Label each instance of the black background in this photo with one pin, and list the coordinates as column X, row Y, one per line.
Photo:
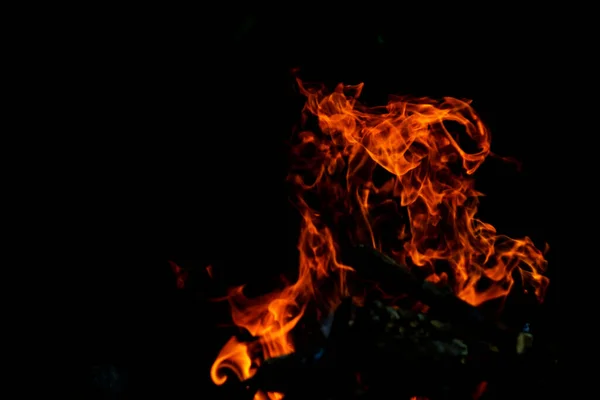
column 188, row 119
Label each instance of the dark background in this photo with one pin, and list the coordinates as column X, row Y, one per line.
column 188, row 119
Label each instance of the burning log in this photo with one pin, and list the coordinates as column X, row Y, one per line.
column 371, row 264
column 374, row 350
column 364, row 351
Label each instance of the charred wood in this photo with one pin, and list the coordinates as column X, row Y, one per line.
column 375, row 350
column 370, row 350
column 372, row 265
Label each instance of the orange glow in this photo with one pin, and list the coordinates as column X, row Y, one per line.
column 402, row 165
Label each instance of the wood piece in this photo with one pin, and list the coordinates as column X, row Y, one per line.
column 385, row 345
column 394, row 278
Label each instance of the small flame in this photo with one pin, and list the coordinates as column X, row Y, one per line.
column 371, row 168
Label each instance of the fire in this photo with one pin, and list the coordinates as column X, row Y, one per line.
column 395, row 177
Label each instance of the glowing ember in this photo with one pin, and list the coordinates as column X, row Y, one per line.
column 398, row 168
column 180, row 274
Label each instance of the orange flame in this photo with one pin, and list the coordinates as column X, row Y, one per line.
column 367, row 166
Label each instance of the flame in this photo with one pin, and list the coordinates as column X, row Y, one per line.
column 397, row 168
